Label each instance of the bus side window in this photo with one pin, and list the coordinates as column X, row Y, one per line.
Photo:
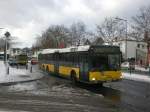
column 60, row 57
column 50, row 57
column 53, row 57
column 65, row 57
column 72, row 55
column 46, row 56
column 82, row 58
column 75, row 58
column 68, row 57
column 86, row 57
column 57, row 57
column 79, row 57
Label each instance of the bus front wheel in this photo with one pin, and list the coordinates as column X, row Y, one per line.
column 99, row 85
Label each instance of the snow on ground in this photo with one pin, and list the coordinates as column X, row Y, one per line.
column 17, row 75
column 141, row 68
column 136, row 77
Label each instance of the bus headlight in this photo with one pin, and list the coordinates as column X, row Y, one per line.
column 93, row 79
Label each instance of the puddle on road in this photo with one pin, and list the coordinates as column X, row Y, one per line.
column 20, row 87
column 62, row 88
column 106, row 92
column 24, row 76
column 66, row 87
column 68, row 90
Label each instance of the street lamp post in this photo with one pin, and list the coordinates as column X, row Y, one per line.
column 1, row 28
column 126, row 34
column 7, row 35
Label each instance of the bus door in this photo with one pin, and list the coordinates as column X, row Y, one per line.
column 56, row 62
column 83, row 67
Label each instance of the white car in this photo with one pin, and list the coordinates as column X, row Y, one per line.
column 127, row 65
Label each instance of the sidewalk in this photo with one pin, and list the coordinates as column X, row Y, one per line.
column 17, row 75
column 136, row 77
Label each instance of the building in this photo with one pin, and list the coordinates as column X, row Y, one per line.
column 133, row 49
column 2, row 44
column 98, row 41
column 1, row 55
column 14, row 51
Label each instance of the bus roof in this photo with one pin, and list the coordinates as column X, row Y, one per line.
column 74, row 49
column 64, row 50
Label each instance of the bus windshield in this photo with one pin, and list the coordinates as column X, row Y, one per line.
column 114, row 61
column 105, row 62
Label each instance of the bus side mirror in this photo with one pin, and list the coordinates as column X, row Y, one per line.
column 122, row 60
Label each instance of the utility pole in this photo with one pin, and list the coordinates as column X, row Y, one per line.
column 0, row 37
column 147, row 40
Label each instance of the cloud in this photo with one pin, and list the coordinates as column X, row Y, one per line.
column 28, row 18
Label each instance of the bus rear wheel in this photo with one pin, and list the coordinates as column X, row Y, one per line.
column 47, row 69
column 73, row 78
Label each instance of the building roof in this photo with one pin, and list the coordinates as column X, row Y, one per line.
column 130, row 40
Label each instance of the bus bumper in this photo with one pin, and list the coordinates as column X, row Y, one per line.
column 108, row 76
column 103, row 81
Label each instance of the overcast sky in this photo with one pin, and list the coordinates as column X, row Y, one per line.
column 28, row 18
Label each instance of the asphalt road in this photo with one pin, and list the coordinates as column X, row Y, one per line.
column 53, row 94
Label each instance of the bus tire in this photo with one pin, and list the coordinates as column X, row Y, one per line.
column 43, row 67
column 99, row 85
column 73, row 78
column 47, row 69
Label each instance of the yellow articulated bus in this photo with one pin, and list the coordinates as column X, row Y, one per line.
column 89, row 64
column 22, row 59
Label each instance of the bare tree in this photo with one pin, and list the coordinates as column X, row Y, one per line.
column 142, row 27
column 141, row 24
column 106, row 30
column 111, row 29
column 55, row 36
column 59, row 36
column 77, row 33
